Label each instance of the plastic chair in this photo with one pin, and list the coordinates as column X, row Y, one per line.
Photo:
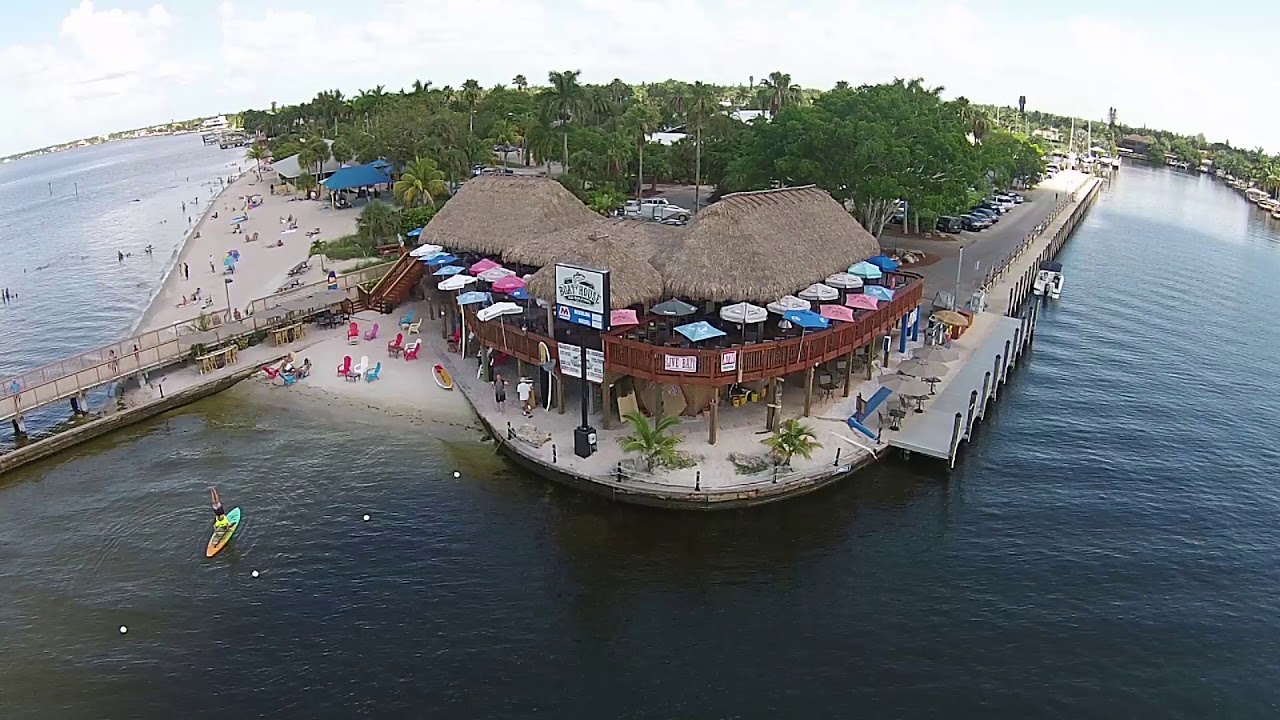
column 358, row 370
column 371, row 334
column 414, row 327
column 406, row 320
column 345, row 368
column 395, row 347
column 373, row 374
column 411, row 352
column 353, row 333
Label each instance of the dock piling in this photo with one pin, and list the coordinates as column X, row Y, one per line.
column 986, row 389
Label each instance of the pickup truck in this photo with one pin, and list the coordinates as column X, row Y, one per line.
column 655, row 209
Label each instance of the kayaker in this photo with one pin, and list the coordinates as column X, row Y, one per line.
column 219, row 515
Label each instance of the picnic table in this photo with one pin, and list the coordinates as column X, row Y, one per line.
column 221, row 357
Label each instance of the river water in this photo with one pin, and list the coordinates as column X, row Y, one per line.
column 1105, row 549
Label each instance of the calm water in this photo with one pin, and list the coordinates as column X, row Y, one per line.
column 1106, row 549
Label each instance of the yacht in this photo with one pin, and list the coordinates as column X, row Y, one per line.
column 1049, row 280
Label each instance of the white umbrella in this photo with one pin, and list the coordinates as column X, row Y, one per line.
column 493, row 275
column 928, row 371
column 426, row 251
column 457, row 282
column 818, row 291
column 788, row 302
column 743, row 313
column 498, row 309
column 844, row 281
column 905, row 386
column 935, row 354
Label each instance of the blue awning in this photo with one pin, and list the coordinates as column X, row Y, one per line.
column 355, row 177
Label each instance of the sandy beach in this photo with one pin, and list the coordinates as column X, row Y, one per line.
column 264, row 265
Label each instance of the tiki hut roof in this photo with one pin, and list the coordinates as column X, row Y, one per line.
column 493, row 213
column 759, row 246
column 645, row 239
column 632, row 279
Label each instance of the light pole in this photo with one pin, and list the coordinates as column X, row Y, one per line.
column 226, row 285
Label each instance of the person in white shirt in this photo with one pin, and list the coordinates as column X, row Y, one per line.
column 525, row 392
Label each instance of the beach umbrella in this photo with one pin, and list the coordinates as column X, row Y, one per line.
column 457, row 282
column 743, row 313
column 482, row 265
column 497, row 310
column 905, row 385
column 952, row 318
column 818, row 291
column 229, row 261
column 878, row 292
column 521, row 294
column 864, row 302
column 806, row 319
column 425, row 251
column 837, row 312
column 473, row 298
column 508, row 284
column 619, row 318
column 844, row 281
column 935, row 354
column 414, row 232
column 239, row 219
column 699, row 331
column 786, row 303
column 441, row 259
column 673, row 308
column 447, row 271
column 493, row 275
column 922, row 369
column 885, row 263
column 865, row 270
column 234, row 253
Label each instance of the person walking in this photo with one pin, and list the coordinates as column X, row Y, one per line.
column 500, row 393
column 211, row 268
column 524, row 391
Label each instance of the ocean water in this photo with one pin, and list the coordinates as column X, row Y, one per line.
column 1106, row 548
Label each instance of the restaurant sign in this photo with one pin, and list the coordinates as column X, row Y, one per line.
column 728, row 361
column 571, row 362
column 680, row 363
column 582, row 296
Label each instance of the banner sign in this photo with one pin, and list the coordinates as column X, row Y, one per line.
column 680, row 363
column 728, row 361
column 582, row 296
column 571, row 362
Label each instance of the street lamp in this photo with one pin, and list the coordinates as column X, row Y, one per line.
column 226, row 285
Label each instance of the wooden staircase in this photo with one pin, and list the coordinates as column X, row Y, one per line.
column 394, row 287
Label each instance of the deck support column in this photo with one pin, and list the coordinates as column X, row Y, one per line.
column 559, row 391
column 1004, row 375
column 915, row 326
column 606, row 394
column 848, row 373
column 713, row 431
column 808, row 390
column 902, row 333
column 774, row 410
column 955, row 441
column 995, row 379
column 871, row 359
column 968, row 421
column 986, row 389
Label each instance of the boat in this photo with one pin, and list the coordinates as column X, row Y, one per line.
column 1275, row 214
column 442, row 377
column 1255, row 195
column 222, row 536
column 1048, row 280
column 1269, row 205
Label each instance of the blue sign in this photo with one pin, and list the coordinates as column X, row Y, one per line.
column 580, row 317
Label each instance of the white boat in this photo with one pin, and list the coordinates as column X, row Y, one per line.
column 1269, row 205
column 1048, row 282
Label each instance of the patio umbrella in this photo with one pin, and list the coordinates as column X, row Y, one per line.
column 806, row 319
column 837, row 312
column 424, row 251
column 673, row 308
column 414, row 233
column 519, row 294
column 699, row 331
column 743, row 313
column 482, row 265
column 935, row 354
column 234, row 253
column 862, row 301
column 865, row 270
column 786, row 303
column 496, row 310
column 619, row 318
column 818, row 291
column 922, row 369
column 951, row 317
column 493, row 275
column 878, row 292
column 907, row 387
column 457, row 282
column 441, row 259
column 447, row 271
column 885, row 263
column 474, row 297
column 844, row 281
column 508, row 284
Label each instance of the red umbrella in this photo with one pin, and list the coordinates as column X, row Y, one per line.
column 508, row 284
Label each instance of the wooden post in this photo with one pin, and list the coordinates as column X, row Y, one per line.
column 658, row 391
column 968, row 421
column 559, row 390
column 955, row 441
column 808, row 390
column 871, row 356
column 995, row 379
column 713, row 432
column 986, row 388
column 1004, row 375
column 519, row 367
column 848, row 373
column 606, row 393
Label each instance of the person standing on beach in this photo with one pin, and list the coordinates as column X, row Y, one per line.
column 500, row 393
column 211, row 268
column 524, row 391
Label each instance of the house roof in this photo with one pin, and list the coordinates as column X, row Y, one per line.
column 492, row 214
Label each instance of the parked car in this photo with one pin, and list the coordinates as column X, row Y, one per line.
column 1017, row 197
column 986, row 213
column 975, row 223
column 949, row 224
column 655, row 209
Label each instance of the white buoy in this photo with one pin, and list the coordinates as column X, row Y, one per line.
column 457, row 474
column 123, row 629
column 366, row 518
column 255, row 573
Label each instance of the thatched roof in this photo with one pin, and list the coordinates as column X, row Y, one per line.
column 759, row 246
column 493, row 213
column 645, row 239
column 632, row 279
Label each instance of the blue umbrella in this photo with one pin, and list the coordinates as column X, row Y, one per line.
column 239, row 219
column 884, row 262
column 447, row 271
column 806, row 319
column 473, row 297
column 446, row 258
column 519, row 294
column 414, row 233
column 865, row 270
column 699, row 331
column 878, row 292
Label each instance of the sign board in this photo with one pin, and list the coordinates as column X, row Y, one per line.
column 582, row 296
column 728, row 361
column 680, row 363
column 571, row 362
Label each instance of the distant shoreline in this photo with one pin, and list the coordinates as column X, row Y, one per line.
column 88, row 142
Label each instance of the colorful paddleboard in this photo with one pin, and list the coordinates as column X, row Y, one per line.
column 222, row 536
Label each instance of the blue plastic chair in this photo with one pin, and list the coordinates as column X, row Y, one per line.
column 406, row 320
column 373, row 374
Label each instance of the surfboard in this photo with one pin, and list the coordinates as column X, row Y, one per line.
column 442, row 377
column 222, row 536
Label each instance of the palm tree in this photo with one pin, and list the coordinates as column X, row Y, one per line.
column 641, row 119
column 422, row 182
column 841, row 85
column 522, row 126
column 258, row 153
column 563, row 102
column 974, row 120
column 703, row 101
column 777, row 91
column 378, row 221
column 520, row 82
column 314, row 153
column 656, row 445
column 791, row 439
column 471, row 94
column 502, row 133
column 305, row 182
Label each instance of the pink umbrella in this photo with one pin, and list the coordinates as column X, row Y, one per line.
column 619, row 318
column 483, row 265
column 508, row 284
column 866, row 302
column 837, row 312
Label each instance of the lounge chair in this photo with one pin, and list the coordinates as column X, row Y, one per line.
column 415, row 326
column 373, row 374
column 345, row 368
column 353, row 333
column 411, row 352
column 289, row 379
column 395, row 347
column 358, row 370
column 372, row 333
column 405, row 320
column 271, row 372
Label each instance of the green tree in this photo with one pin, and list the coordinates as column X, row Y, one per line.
column 702, row 103
column 777, row 91
column 420, row 183
column 641, row 120
column 502, row 133
column 792, row 439
column 378, row 222
column 305, row 182
column 258, row 153
column 313, row 155
column 520, row 82
column 415, row 217
column 605, row 200
column 562, row 103
column 657, row 445
column 471, row 94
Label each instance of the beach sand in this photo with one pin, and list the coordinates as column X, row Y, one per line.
column 263, row 266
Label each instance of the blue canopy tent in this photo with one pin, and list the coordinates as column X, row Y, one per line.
column 885, row 263
column 519, row 294
column 699, row 331
column 356, row 176
column 447, row 271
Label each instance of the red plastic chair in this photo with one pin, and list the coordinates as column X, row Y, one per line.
column 395, row 347
column 345, row 368
column 271, row 372
column 411, row 352
column 353, row 333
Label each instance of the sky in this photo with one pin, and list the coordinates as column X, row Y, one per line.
column 77, row 68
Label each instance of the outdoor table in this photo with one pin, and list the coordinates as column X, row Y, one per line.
column 209, row 361
column 895, row 418
column 288, row 333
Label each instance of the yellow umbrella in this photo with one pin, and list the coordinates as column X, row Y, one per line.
column 951, row 317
